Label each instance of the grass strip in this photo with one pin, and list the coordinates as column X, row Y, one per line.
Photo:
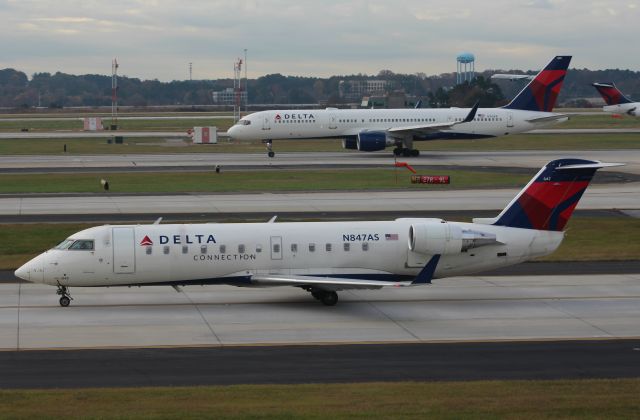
column 258, row 181
column 587, row 398
column 76, row 146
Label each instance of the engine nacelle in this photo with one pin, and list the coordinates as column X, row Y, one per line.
column 446, row 238
column 350, row 143
column 634, row 112
column 435, row 238
column 372, row 141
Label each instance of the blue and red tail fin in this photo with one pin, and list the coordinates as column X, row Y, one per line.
column 542, row 92
column 611, row 94
column 548, row 200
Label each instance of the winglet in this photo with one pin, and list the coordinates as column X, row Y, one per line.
column 426, row 274
column 472, row 113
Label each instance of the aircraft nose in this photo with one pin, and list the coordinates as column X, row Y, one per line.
column 232, row 131
column 23, row 272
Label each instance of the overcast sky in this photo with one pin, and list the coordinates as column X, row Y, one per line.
column 157, row 39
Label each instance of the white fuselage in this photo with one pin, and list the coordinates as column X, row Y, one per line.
column 231, row 253
column 331, row 123
column 631, row 108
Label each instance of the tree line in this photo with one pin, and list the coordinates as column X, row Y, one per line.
column 56, row 90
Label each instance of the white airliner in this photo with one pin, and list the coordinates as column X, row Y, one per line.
column 320, row 257
column 371, row 130
column 617, row 103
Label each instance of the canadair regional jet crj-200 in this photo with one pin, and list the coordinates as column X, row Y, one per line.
column 617, row 103
column 320, row 257
column 370, row 130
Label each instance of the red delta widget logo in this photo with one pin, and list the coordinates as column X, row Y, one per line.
column 297, row 116
column 178, row 239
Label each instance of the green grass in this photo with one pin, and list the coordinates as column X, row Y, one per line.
column 39, row 124
column 587, row 239
column 580, row 399
column 259, row 180
column 572, row 142
column 600, row 121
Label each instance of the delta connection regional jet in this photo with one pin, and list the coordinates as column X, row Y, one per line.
column 617, row 103
column 370, row 130
column 319, row 257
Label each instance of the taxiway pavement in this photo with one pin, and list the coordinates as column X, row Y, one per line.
column 498, row 159
column 474, row 308
column 623, row 196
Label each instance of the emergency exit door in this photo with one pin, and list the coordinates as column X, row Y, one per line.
column 124, row 259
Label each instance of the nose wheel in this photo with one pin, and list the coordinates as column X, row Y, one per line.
column 65, row 297
column 270, row 151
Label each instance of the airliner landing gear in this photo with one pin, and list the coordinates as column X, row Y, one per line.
column 401, row 151
column 270, row 151
column 65, row 297
column 326, row 297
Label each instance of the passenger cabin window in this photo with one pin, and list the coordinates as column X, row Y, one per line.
column 327, row 247
column 241, row 249
column 165, row 249
column 312, row 247
column 347, row 246
column 223, row 249
column 203, row 249
column 185, row 249
column 276, row 248
column 258, row 248
column 82, row 245
column 294, row 247
column 365, row 246
column 149, row 250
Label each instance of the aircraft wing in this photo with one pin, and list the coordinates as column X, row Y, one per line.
column 554, row 117
column 334, row 283
column 328, row 283
column 435, row 127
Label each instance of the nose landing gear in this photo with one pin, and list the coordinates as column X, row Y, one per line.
column 65, row 297
column 270, row 151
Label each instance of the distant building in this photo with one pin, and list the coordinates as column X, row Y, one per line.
column 228, row 97
column 356, row 89
column 396, row 99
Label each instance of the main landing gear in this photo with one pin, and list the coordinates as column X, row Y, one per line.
column 328, row 298
column 270, row 151
column 403, row 151
column 65, row 297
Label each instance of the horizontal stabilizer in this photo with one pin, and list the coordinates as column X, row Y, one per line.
column 554, row 117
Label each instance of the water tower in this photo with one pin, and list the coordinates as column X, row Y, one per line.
column 466, row 69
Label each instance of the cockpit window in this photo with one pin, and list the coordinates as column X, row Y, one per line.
column 244, row 122
column 83, row 245
column 64, row 244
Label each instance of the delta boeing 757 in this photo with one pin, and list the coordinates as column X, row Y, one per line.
column 319, row 257
column 370, row 130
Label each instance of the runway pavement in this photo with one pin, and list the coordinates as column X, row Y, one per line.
column 321, row 364
column 474, row 308
column 605, row 197
column 497, row 159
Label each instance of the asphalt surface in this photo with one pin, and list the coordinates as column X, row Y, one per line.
column 321, row 364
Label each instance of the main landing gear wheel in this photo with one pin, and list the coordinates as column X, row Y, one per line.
column 65, row 297
column 329, row 298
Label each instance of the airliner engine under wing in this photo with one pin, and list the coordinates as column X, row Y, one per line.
column 320, row 257
column 370, row 130
column 617, row 103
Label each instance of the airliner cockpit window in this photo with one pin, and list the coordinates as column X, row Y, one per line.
column 244, row 122
column 64, row 244
column 82, row 245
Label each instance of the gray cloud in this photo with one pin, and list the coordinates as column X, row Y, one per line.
column 156, row 39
